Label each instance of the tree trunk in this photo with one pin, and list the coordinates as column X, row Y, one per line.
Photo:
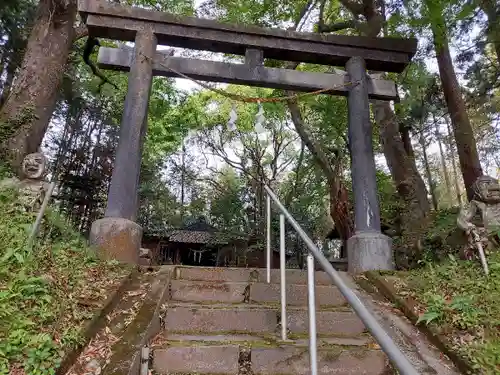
column 293, row 190
column 339, row 202
column 492, row 11
column 183, row 178
column 428, row 173
column 462, row 129
column 9, row 78
column 409, row 184
column 405, row 136
column 458, row 191
column 443, row 160
column 25, row 116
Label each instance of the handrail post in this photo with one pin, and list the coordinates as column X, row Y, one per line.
column 399, row 360
column 283, row 279
column 313, row 348
column 268, row 249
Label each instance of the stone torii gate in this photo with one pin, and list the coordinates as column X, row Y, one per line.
column 117, row 234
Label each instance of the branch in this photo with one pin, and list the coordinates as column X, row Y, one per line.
column 218, row 150
column 302, row 14
column 212, row 182
column 369, row 10
column 314, row 148
column 283, row 166
column 354, row 7
column 321, row 18
column 291, row 193
column 277, row 143
column 351, row 24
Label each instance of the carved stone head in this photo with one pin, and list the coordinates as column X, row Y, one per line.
column 35, row 166
column 487, row 190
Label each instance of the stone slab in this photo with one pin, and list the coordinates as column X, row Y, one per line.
column 260, row 293
column 291, row 360
column 334, row 323
column 117, row 238
column 197, row 360
column 203, row 291
column 293, row 276
column 206, row 320
column 296, row 295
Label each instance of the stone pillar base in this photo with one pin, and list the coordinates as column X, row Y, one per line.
column 117, row 238
column 369, row 251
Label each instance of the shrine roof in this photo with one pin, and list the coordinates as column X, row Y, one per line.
column 196, row 231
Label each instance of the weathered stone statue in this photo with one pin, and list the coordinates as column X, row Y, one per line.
column 481, row 219
column 32, row 187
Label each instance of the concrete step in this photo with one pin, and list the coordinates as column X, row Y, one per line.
column 222, row 359
column 260, row 293
column 293, row 276
column 210, row 320
column 339, row 361
column 181, row 319
column 233, row 359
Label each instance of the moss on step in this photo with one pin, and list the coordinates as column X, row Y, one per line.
column 277, row 305
column 298, row 336
column 115, row 324
column 142, row 329
column 265, row 342
column 332, row 355
column 247, row 344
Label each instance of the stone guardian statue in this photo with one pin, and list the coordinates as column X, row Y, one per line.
column 481, row 219
column 32, row 187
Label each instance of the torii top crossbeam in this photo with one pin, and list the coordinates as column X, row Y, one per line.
column 113, row 21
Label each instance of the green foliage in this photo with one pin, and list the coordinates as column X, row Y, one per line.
column 442, row 238
column 390, row 205
column 443, row 222
column 9, row 127
column 5, row 171
column 266, row 13
column 461, row 308
column 463, row 303
column 226, row 202
column 41, row 290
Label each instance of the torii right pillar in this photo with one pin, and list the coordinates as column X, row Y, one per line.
column 368, row 249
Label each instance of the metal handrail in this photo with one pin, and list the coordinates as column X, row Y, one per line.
column 395, row 355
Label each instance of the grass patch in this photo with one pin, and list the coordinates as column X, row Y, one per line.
column 48, row 294
column 463, row 304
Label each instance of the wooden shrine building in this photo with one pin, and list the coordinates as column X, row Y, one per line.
column 198, row 243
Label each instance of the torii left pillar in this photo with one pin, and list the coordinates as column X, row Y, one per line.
column 117, row 235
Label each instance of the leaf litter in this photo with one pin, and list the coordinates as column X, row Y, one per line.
column 97, row 354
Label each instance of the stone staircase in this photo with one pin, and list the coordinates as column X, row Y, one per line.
column 227, row 321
